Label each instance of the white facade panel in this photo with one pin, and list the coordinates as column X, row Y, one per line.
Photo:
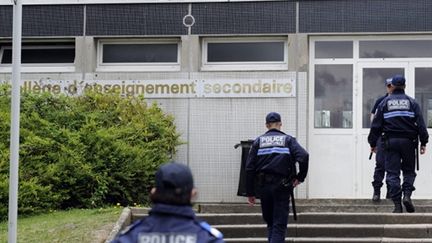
column 217, row 125
column 179, row 108
column 212, row 126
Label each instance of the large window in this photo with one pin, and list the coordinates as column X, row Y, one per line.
column 396, row 49
column 139, row 55
column 423, row 92
column 245, row 54
column 338, row 84
column 40, row 56
column 333, row 96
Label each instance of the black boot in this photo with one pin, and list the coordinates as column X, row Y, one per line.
column 398, row 206
column 376, row 195
column 409, row 206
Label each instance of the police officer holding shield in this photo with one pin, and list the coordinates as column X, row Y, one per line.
column 171, row 220
column 399, row 123
column 271, row 169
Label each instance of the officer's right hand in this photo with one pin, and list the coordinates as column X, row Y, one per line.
column 422, row 149
column 251, row 200
column 373, row 149
column 295, row 183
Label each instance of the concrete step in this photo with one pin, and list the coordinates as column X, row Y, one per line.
column 314, row 208
column 324, row 218
column 354, row 201
column 329, row 220
column 414, row 231
column 315, row 218
column 320, row 205
column 333, row 240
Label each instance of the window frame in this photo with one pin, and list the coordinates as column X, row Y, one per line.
column 242, row 66
column 39, row 67
column 412, row 71
column 137, row 66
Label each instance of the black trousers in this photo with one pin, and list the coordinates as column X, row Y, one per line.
column 400, row 156
column 275, row 209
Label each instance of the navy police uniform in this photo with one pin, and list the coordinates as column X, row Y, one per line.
column 399, row 122
column 379, row 170
column 170, row 224
column 271, row 165
column 171, row 219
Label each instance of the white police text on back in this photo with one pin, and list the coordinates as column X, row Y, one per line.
column 271, row 141
column 167, row 238
column 403, row 104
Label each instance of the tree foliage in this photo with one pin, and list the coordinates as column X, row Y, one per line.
column 84, row 151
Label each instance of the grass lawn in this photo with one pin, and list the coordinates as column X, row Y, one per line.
column 77, row 225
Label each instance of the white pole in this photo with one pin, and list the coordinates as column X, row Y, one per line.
column 15, row 121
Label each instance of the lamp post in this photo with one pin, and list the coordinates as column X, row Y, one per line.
column 15, row 121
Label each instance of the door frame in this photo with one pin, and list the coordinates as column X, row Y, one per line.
column 363, row 166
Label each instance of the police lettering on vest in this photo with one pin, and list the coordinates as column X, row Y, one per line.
column 398, row 104
column 272, row 141
column 167, row 238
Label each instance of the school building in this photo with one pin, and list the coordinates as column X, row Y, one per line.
column 220, row 66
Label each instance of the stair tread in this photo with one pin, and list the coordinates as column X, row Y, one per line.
column 333, row 239
column 325, row 213
column 323, row 221
column 328, row 225
column 320, row 205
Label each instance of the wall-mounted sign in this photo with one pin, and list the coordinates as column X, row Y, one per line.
column 214, row 88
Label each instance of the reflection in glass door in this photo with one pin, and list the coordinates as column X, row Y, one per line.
column 374, row 87
column 333, row 96
column 423, row 92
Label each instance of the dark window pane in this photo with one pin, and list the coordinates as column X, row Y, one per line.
column 374, row 87
column 40, row 55
column 333, row 96
column 7, row 56
column 333, row 49
column 246, row 52
column 140, row 53
column 423, row 92
column 396, row 49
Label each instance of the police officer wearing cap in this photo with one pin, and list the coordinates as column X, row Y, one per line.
column 379, row 170
column 271, row 168
column 171, row 219
column 399, row 123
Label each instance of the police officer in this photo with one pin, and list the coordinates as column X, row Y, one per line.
column 379, row 171
column 171, row 219
column 271, row 164
column 399, row 122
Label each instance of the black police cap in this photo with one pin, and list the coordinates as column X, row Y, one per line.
column 174, row 177
column 273, row 117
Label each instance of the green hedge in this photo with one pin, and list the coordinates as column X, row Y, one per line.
column 83, row 152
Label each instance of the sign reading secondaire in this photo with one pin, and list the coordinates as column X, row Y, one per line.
column 186, row 88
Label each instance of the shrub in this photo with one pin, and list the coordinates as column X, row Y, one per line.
column 85, row 151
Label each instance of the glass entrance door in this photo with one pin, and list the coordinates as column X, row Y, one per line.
column 421, row 74
column 423, row 92
column 371, row 86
